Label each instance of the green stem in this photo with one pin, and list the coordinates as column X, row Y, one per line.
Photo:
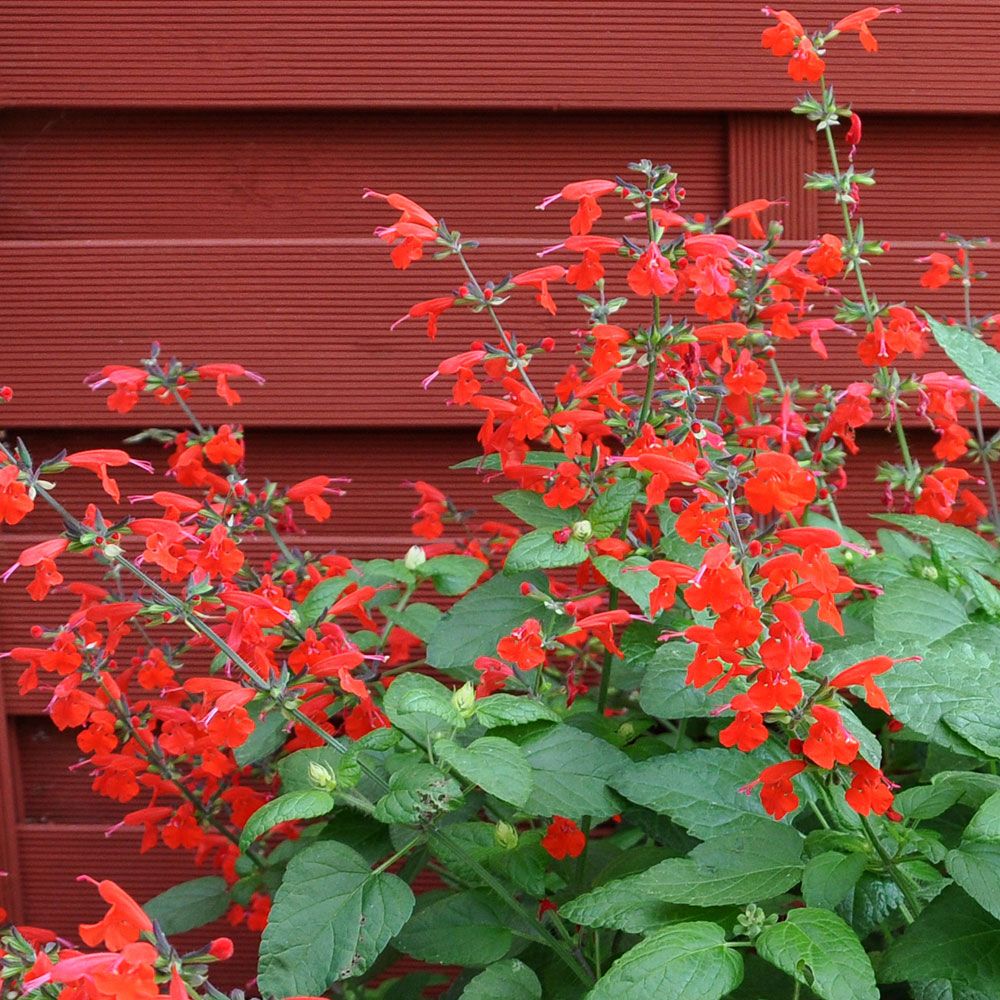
column 272, row 530
column 904, row 448
column 912, row 904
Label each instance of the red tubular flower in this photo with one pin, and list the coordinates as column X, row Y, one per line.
column 564, row 839
column 539, row 277
column 601, row 626
column 15, row 504
column 123, row 924
column 524, row 645
column 585, row 193
column 651, row 274
column 310, row 492
column 828, row 741
column 416, row 226
column 128, row 382
column 806, row 64
column 429, row 308
column 853, row 136
column 364, row 718
column 749, row 210
column 940, row 271
column 863, row 674
column 777, row 793
column 828, row 259
column 747, row 731
column 42, row 556
column 870, row 790
column 779, row 484
column 222, row 372
column 859, row 21
column 97, row 461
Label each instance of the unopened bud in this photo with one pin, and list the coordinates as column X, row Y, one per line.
column 415, row 557
column 582, row 530
column 463, row 700
column 929, row 572
column 321, row 776
column 505, row 836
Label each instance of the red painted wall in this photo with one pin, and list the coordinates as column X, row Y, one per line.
column 190, row 172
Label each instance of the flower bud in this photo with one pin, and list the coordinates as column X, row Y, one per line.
column 463, row 700
column 415, row 557
column 582, row 530
column 505, row 836
column 929, row 572
column 321, row 776
column 221, row 948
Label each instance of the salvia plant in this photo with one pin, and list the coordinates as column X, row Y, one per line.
column 671, row 730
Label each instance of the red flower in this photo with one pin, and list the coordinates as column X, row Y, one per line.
column 651, row 273
column 858, row 21
column 122, row 925
column 828, row 260
column 585, row 193
column 780, row 484
column 563, row 839
column 749, row 210
column 806, row 65
column 416, row 226
column 863, row 673
column 42, row 556
column 524, row 645
column 15, row 504
column 222, row 373
column 828, row 741
column 432, row 309
column 870, row 791
column 539, row 277
column 940, row 271
column 747, row 731
column 777, row 793
column 98, row 460
column 310, row 492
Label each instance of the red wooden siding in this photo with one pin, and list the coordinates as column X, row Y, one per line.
column 191, row 172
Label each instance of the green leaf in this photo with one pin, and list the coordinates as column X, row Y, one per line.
column 532, row 509
column 417, row 793
column 331, row 918
column 664, row 692
column 979, row 362
column 951, row 677
column 975, row 863
column 421, row 706
column 916, row 609
column 510, row 979
column 462, row 928
column 976, row 723
column 572, row 770
column 629, row 576
column 956, row 543
column 420, row 619
column 699, row 789
column 686, row 962
column 752, row 865
column 292, row 805
column 547, row 459
column 476, row 623
column 268, row 736
column 829, row 877
column 926, row 801
column 539, row 550
column 189, row 905
column 952, row 939
column 452, row 575
column 608, row 512
column 496, row 765
column 320, row 599
column 818, row 949
column 511, row 710
column 941, row 989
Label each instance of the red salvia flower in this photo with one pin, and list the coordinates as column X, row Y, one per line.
column 564, row 839
column 859, row 21
column 777, row 793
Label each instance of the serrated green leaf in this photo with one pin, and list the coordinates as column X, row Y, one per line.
column 452, row 575
column 189, row 905
column 331, row 918
column 548, row 459
column 462, row 928
column 511, row 710
column 754, row 864
column 293, row 805
column 953, row 939
column 420, row 619
column 531, row 508
column 965, row 547
column 571, row 771
column 829, row 877
column 818, row 949
column 979, row 362
column 496, row 765
column 951, row 677
column 268, row 736
column 539, row 550
column 417, row 792
column 510, row 979
column 421, row 706
column 476, row 623
column 689, row 961
column 629, row 576
column 699, row 789
column 975, row 863
column 607, row 513
column 664, row 692
column 320, row 599
column 912, row 609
